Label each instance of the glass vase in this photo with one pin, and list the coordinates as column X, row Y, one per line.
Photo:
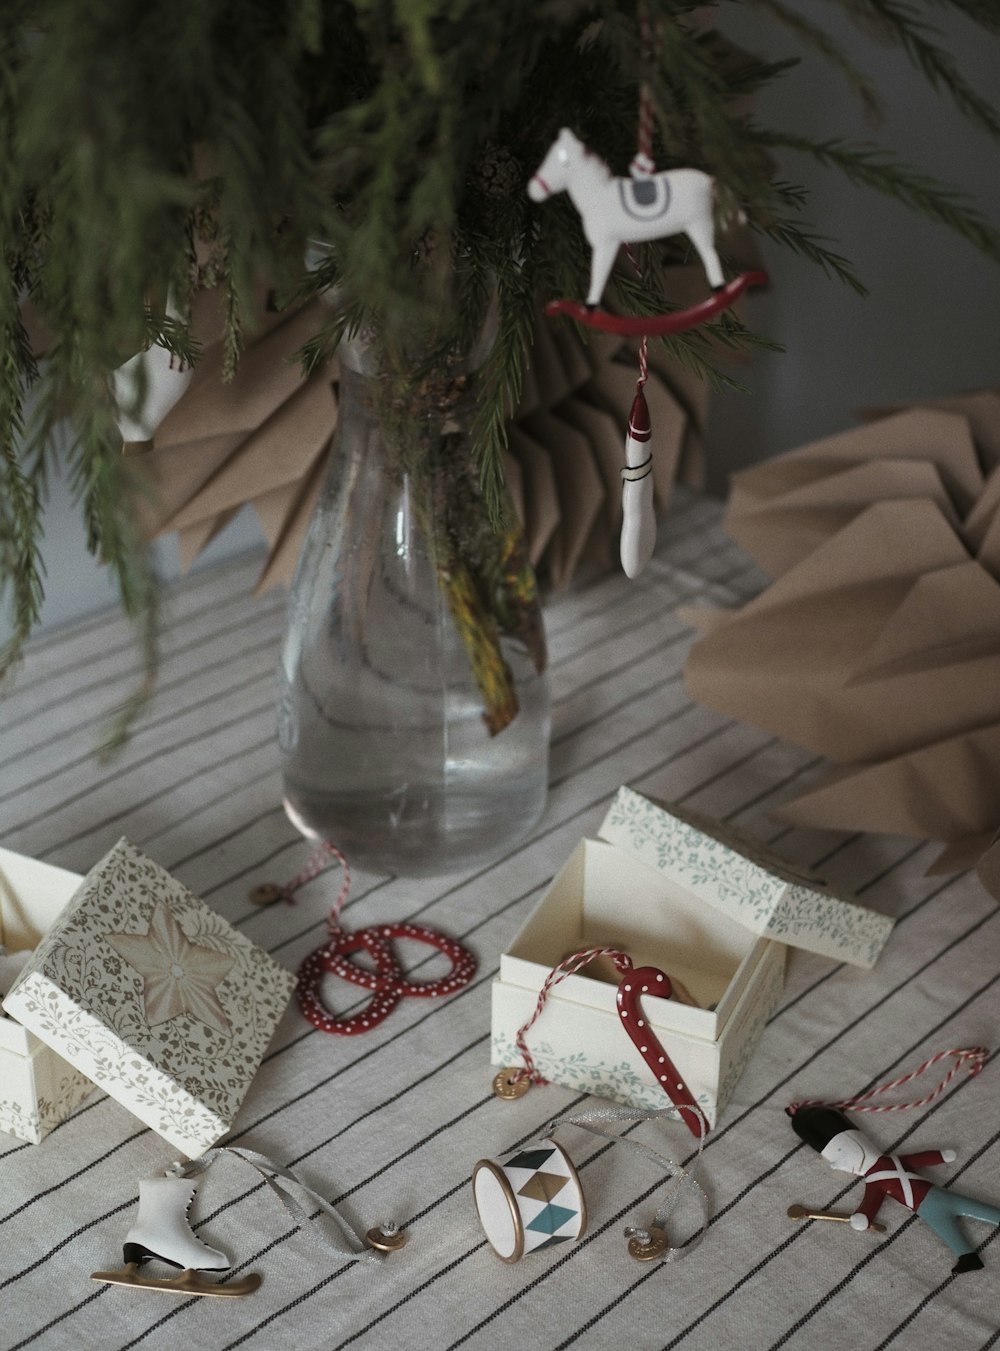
column 414, row 706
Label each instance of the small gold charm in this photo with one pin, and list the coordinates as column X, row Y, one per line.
column 646, row 1252
column 507, row 1087
column 266, row 894
column 386, row 1238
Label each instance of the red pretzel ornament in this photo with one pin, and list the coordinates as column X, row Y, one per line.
column 387, row 981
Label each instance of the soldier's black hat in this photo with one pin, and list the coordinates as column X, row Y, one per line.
column 818, row 1125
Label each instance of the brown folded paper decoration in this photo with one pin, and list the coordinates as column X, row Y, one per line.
column 879, row 644
column 263, row 438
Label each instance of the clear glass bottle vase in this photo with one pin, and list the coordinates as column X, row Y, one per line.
column 414, row 707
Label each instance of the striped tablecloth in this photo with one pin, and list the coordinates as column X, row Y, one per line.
column 390, row 1125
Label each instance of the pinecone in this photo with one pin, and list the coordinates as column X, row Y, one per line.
column 498, row 173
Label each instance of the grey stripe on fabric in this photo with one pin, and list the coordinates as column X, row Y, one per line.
column 795, row 1235
column 414, row 1097
column 718, row 1135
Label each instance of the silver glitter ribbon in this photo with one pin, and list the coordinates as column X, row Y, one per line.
column 682, row 1181
column 287, row 1186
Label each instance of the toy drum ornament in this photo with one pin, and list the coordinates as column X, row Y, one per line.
column 530, row 1200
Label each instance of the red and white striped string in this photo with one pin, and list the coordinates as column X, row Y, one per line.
column 642, row 165
column 318, row 862
column 569, row 966
column 643, row 341
column 970, row 1058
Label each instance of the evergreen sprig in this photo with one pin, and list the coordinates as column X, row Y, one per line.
column 151, row 150
column 900, row 25
column 870, row 167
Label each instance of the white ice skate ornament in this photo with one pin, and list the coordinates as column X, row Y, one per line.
column 162, row 1232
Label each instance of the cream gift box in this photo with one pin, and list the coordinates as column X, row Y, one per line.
column 714, row 914
column 142, row 990
column 38, row 1089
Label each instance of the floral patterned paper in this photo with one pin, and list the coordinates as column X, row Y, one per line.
column 752, row 894
column 565, row 1055
column 586, row 1074
column 183, row 1060
column 32, row 1119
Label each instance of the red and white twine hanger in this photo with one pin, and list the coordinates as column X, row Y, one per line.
column 969, row 1058
column 636, row 981
column 387, row 982
column 642, row 166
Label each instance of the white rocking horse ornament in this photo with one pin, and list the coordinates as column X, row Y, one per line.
column 616, row 211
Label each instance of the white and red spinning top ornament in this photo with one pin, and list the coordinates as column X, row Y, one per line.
column 638, row 538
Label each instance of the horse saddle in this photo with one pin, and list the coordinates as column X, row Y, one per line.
column 644, row 198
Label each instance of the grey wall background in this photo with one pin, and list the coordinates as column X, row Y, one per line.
column 931, row 324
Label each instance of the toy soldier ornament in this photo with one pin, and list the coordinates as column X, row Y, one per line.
column 849, row 1150
column 825, row 1128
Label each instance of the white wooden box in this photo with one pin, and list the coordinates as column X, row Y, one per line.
column 38, row 1089
column 707, row 911
column 141, row 989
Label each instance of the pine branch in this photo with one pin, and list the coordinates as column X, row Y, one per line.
column 902, row 26
column 21, row 476
column 696, row 349
column 816, row 37
column 154, row 150
column 756, row 75
column 21, row 539
column 874, row 168
column 807, row 244
column 499, row 383
column 986, row 13
column 103, row 482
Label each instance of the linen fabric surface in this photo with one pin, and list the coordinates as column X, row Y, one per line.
column 390, row 1125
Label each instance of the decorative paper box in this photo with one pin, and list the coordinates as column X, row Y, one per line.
column 151, row 995
column 38, row 1089
column 712, row 913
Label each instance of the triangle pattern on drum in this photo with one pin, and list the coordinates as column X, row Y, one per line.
column 543, row 1186
column 550, row 1219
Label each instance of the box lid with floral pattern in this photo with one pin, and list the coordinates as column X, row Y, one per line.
column 155, row 997
column 743, row 880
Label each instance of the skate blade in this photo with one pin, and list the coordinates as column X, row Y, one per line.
column 187, row 1283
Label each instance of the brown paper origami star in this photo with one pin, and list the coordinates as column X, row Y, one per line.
column 878, row 646
column 264, row 439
